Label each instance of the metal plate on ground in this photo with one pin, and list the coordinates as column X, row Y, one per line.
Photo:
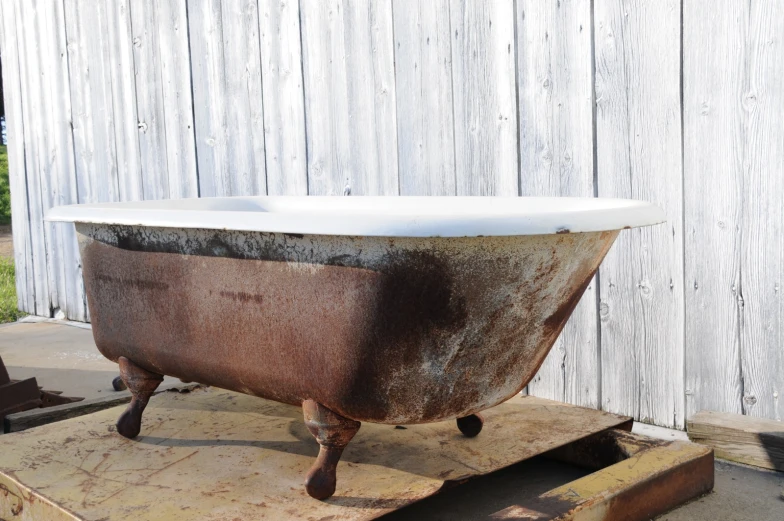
column 213, row 454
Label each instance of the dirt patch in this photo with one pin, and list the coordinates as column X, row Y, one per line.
column 6, row 241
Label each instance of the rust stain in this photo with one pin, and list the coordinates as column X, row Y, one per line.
column 242, row 296
column 556, row 321
column 388, row 330
column 134, row 283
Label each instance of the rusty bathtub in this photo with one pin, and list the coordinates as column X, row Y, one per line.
column 381, row 309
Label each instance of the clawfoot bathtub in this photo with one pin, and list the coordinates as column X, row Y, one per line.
column 392, row 310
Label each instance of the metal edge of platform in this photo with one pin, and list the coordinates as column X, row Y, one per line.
column 19, row 500
column 20, row 421
column 635, row 478
column 638, row 478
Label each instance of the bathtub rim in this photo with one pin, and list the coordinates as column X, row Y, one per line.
column 375, row 216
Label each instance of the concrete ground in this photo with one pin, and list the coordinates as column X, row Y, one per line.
column 61, row 357
column 64, row 358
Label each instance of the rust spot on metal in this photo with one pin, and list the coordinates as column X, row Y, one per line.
column 142, row 384
column 134, row 283
column 333, row 432
column 557, row 320
column 242, row 296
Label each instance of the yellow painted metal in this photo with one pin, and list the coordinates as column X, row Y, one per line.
column 213, row 454
column 655, row 477
column 595, row 490
column 20, row 503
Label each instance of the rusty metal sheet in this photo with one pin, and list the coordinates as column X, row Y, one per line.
column 376, row 329
column 216, row 455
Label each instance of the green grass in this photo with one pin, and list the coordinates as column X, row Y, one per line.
column 8, row 310
column 5, row 191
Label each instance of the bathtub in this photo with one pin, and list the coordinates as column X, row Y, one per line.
column 394, row 310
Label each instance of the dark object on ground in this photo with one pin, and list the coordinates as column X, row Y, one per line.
column 118, row 384
column 23, row 395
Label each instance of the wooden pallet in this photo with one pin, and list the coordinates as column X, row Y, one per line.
column 213, row 454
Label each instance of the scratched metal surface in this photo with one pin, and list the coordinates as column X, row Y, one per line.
column 387, row 330
column 217, row 455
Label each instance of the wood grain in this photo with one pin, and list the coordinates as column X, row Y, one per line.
column 138, row 47
column 284, row 104
column 638, row 147
column 91, row 103
column 761, row 244
column 423, row 82
column 209, row 94
column 65, row 264
column 224, row 43
column 175, row 62
column 554, row 77
column 745, row 439
column 244, row 103
column 713, row 123
column 36, row 134
column 348, row 69
column 485, row 109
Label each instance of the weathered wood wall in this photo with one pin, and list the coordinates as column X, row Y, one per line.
column 671, row 101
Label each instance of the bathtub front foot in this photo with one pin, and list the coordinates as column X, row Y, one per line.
column 471, row 425
column 333, row 432
column 142, row 384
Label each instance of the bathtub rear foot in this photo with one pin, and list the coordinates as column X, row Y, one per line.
column 470, row 425
column 333, row 432
column 142, row 384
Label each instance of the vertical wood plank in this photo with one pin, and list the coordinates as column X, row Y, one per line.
column 713, row 51
column 38, row 32
column 284, row 109
column 485, row 108
column 244, row 111
column 140, row 42
column 423, row 86
column 209, row 96
column 91, row 102
column 638, row 134
column 35, row 105
column 348, row 69
column 762, row 243
column 121, row 68
column 555, row 87
column 227, row 97
column 175, row 62
column 12, row 91
column 733, row 101
column 65, row 263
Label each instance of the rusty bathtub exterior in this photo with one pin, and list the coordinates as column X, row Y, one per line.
column 383, row 329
